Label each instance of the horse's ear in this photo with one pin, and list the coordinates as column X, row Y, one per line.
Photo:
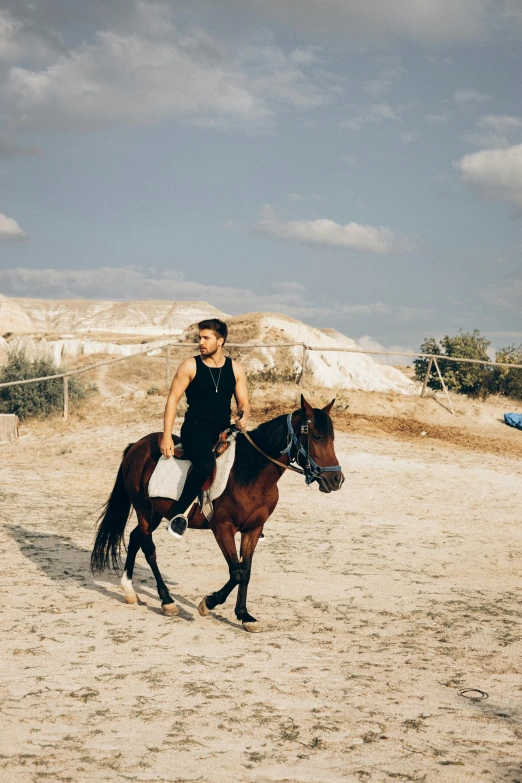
column 328, row 408
column 307, row 408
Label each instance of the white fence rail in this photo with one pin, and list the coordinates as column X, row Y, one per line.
column 432, row 359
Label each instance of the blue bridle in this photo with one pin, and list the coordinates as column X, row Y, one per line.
column 311, row 469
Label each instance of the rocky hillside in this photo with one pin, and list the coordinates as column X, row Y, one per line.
column 69, row 329
column 327, row 369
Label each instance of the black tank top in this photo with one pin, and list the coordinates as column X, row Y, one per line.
column 209, row 395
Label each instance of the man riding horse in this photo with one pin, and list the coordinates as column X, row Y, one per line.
column 209, row 382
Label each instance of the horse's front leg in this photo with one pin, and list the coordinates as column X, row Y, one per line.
column 248, row 545
column 224, row 534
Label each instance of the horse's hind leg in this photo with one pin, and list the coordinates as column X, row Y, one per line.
column 135, row 542
column 149, row 550
column 128, row 571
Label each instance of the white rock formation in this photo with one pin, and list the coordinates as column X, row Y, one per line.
column 81, row 316
column 62, row 350
column 74, row 319
column 13, row 318
column 327, row 369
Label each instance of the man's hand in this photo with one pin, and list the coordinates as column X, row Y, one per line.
column 241, row 421
column 167, row 445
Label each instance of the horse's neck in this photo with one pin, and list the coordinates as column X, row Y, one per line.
column 272, row 473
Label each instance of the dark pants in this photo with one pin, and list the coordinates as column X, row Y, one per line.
column 198, row 441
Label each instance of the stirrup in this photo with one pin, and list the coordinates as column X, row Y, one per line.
column 177, row 525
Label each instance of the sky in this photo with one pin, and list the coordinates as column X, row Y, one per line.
column 356, row 164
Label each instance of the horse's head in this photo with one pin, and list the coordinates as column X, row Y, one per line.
column 319, row 445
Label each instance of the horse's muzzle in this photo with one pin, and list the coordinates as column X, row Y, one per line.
column 330, row 482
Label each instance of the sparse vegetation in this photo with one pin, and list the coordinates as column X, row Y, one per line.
column 34, row 400
column 273, row 375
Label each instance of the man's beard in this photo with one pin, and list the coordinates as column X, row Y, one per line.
column 208, row 352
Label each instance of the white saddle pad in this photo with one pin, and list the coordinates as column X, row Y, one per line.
column 170, row 475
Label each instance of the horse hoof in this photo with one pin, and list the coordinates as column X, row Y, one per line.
column 132, row 599
column 254, row 627
column 170, row 610
column 203, row 608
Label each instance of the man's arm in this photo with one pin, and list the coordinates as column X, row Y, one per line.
column 184, row 375
column 241, row 395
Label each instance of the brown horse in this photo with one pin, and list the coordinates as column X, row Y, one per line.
column 305, row 438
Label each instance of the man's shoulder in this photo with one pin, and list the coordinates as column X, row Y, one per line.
column 188, row 366
column 238, row 368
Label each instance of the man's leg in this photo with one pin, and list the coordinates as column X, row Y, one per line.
column 198, row 443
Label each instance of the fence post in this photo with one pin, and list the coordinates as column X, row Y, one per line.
column 302, row 378
column 167, row 367
column 65, row 397
column 426, row 377
column 444, row 386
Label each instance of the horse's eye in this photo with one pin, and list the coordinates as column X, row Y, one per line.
column 317, row 438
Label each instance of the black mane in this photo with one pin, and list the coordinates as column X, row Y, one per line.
column 272, row 437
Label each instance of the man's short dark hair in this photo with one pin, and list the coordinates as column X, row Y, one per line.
column 219, row 327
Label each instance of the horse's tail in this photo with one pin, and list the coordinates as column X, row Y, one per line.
column 112, row 521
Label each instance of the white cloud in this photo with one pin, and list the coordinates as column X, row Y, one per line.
column 147, row 70
column 408, row 136
column 376, row 113
column 503, row 123
column 10, row 230
column 385, row 79
column 489, row 140
column 495, row 173
column 425, row 21
column 469, row 97
column 327, row 233
column 495, row 130
column 20, row 40
column 438, row 119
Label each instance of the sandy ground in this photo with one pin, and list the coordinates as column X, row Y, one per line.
column 382, row 601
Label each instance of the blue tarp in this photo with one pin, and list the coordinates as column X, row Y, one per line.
column 514, row 420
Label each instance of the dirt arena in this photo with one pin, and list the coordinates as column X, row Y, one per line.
column 381, row 601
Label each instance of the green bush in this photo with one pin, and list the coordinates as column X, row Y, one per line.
column 476, row 380
column 508, row 380
column 34, row 400
column 430, row 346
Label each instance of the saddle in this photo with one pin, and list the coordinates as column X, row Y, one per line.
column 222, row 444
column 169, row 476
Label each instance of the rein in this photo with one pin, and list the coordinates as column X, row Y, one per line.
column 311, row 470
column 281, row 464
